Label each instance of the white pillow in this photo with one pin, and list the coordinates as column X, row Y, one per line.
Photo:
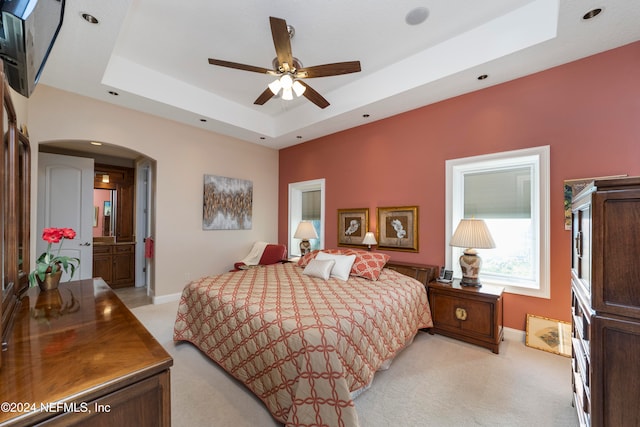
column 319, row 268
column 342, row 266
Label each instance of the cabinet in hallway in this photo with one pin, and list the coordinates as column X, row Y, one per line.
column 115, row 263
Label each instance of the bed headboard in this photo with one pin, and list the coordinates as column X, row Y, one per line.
column 422, row 272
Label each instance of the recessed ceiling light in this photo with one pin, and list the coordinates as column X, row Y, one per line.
column 417, row 16
column 592, row 14
column 482, row 76
column 114, row 93
column 96, row 143
column 89, row 18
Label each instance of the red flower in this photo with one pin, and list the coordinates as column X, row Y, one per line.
column 68, row 233
column 50, row 262
column 52, row 235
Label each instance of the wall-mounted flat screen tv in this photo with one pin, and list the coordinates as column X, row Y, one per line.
column 28, row 30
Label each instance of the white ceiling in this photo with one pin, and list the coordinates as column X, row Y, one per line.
column 154, row 53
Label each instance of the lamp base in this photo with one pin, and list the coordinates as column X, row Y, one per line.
column 470, row 264
column 469, row 282
column 305, row 247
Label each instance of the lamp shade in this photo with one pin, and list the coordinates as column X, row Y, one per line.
column 369, row 239
column 305, row 231
column 472, row 233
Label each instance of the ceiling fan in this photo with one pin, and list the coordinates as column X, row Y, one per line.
column 289, row 71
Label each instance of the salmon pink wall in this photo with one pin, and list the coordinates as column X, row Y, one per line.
column 587, row 111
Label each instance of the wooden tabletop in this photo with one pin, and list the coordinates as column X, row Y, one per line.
column 455, row 284
column 74, row 345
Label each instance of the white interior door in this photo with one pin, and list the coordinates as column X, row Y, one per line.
column 65, row 199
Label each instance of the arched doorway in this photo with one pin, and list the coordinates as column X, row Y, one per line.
column 143, row 208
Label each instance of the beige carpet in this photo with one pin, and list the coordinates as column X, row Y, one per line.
column 437, row 381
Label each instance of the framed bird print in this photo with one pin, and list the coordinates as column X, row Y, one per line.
column 398, row 228
column 353, row 224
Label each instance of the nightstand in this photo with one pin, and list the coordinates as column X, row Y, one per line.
column 473, row 315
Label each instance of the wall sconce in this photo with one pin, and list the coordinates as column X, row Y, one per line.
column 105, row 178
column 369, row 239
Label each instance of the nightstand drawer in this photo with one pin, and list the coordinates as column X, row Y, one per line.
column 457, row 314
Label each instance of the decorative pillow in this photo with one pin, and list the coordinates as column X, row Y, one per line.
column 342, row 266
column 319, row 268
column 304, row 260
column 369, row 264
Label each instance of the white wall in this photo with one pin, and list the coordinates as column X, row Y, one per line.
column 184, row 155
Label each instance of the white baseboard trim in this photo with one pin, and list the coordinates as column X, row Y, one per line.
column 166, row 298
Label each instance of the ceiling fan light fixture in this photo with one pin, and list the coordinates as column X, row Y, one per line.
column 286, row 81
column 275, row 86
column 288, row 69
column 298, row 88
column 287, row 94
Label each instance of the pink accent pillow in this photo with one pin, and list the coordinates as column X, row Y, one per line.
column 367, row 264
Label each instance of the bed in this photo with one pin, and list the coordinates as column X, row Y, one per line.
column 305, row 345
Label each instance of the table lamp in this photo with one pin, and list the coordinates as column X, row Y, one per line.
column 369, row 239
column 305, row 231
column 470, row 234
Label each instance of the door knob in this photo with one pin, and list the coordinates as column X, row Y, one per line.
column 85, row 244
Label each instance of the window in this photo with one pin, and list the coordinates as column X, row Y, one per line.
column 306, row 203
column 510, row 191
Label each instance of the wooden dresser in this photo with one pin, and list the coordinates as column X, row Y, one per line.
column 605, row 287
column 80, row 357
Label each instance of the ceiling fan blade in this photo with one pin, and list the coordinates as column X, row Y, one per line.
column 264, row 97
column 244, row 67
column 281, row 41
column 314, row 96
column 329, row 69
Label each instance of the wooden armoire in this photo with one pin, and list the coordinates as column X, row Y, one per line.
column 605, row 286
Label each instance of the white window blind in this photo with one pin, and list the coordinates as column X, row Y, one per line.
column 502, row 193
column 311, row 205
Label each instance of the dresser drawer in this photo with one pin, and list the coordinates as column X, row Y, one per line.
column 101, row 249
column 123, row 249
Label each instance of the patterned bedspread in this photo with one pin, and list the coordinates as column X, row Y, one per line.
column 302, row 344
